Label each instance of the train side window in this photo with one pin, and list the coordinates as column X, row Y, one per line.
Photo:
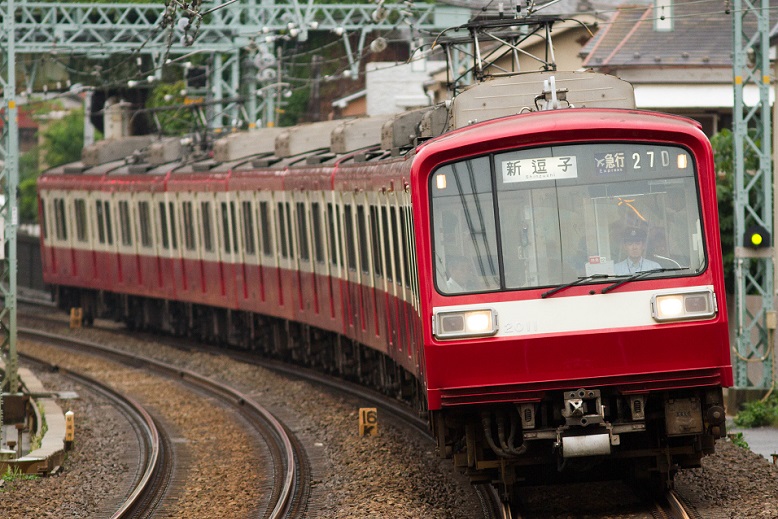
column 188, row 221
column 387, row 245
column 108, row 223
column 249, row 244
column 302, row 232
column 362, row 235
column 124, row 222
column 404, row 231
column 205, row 209
column 396, row 246
column 348, row 222
column 145, row 228
column 318, row 246
column 225, row 227
column 234, row 227
column 163, row 226
column 60, row 217
column 375, row 241
column 264, row 220
column 333, row 244
column 80, row 207
column 289, row 227
column 100, row 221
column 44, row 226
column 282, row 230
column 173, row 227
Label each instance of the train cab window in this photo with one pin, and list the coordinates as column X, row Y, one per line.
column 375, row 242
column 316, row 231
column 249, row 242
column 362, row 235
column 187, row 218
column 348, row 221
column 145, row 224
column 387, row 245
column 264, row 221
column 125, row 223
column 80, row 208
column 205, row 214
column 566, row 212
column 302, row 231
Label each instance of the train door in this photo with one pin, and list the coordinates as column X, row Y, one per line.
column 62, row 248
column 335, row 258
column 351, row 271
column 227, row 231
column 209, row 275
column 83, row 256
column 126, row 241
column 306, row 292
column 190, row 246
column 108, row 261
column 167, row 243
column 390, row 304
column 367, row 290
column 324, row 307
column 248, row 293
column 147, row 254
column 377, row 260
column 268, row 269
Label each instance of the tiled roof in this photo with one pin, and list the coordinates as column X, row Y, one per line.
column 701, row 35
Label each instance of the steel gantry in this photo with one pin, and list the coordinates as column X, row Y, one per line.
column 226, row 30
column 754, row 314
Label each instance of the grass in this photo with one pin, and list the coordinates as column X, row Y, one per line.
column 759, row 413
column 14, row 474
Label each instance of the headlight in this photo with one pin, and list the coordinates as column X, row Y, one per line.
column 683, row 306
column 468, row 323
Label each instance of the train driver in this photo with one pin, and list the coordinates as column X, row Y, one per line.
column 634, row 241
column 461, row 276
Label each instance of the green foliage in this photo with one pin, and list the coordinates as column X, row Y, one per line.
column 15, row 474
column 758, row 413
column 295, row 107
column 724, row 158
column 171, row 122
column 739, row 440
column 64, row 139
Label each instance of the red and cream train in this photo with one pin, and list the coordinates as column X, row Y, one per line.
column 480, row 268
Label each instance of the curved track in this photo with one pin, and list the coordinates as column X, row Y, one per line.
column 290, row 484
column 154, row 454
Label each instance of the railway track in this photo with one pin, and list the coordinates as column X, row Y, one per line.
column 290, row 487
column 154, row 453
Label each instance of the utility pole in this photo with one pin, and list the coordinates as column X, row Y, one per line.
column 755, row 318
column 9, row 215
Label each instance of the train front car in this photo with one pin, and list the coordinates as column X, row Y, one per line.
column 575, row 310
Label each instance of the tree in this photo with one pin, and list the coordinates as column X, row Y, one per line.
column 65, row 139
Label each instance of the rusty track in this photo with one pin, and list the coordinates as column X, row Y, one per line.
column 290, row 488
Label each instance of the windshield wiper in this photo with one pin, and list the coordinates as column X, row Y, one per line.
column 578, row 281
column 637, row 276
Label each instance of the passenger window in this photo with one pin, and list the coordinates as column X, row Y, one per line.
column 376, row 243
column 225, row 228
column 80, row 207
column 100, row 221
column 205, row 208
column 406, row 263
column 124, row 222
column 163, row 226
column 234, row 227
column 188, row 220
column 351, row 255
column 248, row 228
column 282, row 230
column 318, row 246
column 362, row 235
column 108, row 223
column 302, row 231
column 396, row 246
column 333, row 244
column 289, row 226
column 145, row 230
column 264, row 219
column 173, row 227
column 387, row 245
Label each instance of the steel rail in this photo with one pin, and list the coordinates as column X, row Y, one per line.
column 141, row 420
column 237, row 398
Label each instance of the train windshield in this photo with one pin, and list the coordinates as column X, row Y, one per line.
column 545, row 216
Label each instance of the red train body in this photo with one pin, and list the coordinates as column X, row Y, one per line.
column 547, row 354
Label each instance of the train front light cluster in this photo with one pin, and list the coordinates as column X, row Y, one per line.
column 684, row 306
column 466, row 323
